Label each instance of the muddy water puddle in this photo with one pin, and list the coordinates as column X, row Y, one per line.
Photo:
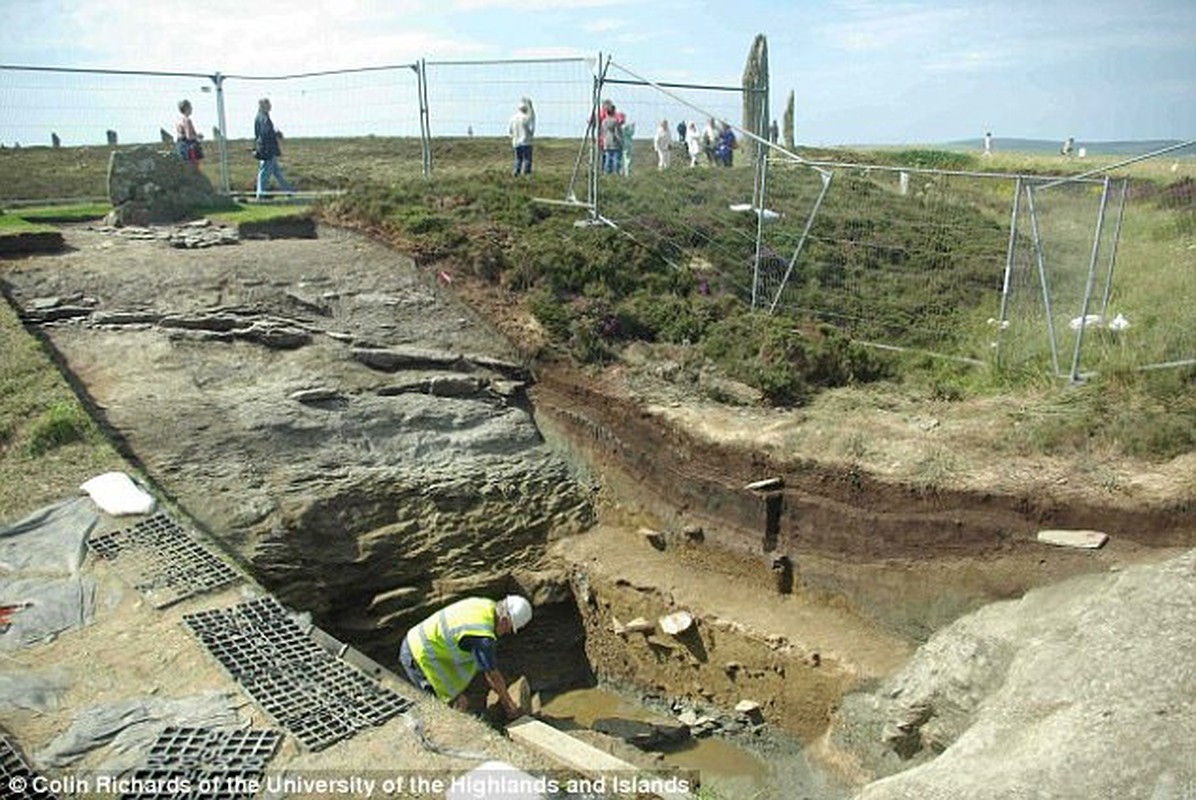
column 773, row 766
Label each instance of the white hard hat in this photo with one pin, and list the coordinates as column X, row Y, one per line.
column 519, row 611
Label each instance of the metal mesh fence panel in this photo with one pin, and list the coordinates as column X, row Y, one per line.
column 82, row 107
column 908, row 259
column 1058, row 229
column 713, row 239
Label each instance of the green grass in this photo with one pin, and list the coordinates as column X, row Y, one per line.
column 260, row 213
column 48, row 443
column 11, row 225
column 72, row 212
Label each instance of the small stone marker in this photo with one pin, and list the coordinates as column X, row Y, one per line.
column 1090, row 540
column 677, row 622
column 751, row 710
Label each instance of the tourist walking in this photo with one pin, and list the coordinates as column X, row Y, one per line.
column 186, row 138
column 266, row 150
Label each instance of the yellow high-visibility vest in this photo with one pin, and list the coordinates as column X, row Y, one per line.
column 435, row 644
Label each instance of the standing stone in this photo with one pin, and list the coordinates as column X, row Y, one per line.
column 147, row 186
column 111, row 138
column 55, row 141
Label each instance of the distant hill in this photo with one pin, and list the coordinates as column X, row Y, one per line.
column 1040, row 146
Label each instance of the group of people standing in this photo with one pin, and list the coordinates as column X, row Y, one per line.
column 615, row 139
column 717, row 141
column 266, row 147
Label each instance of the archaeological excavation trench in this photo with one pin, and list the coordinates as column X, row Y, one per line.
column 370, row 449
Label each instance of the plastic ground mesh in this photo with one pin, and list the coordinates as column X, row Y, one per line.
column 163, row 561
column 313, row 694
column 200, row 762
column 16, row 778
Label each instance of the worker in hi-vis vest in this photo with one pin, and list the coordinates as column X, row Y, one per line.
column 443, row 653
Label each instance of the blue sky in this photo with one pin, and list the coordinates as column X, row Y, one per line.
column 863, row 71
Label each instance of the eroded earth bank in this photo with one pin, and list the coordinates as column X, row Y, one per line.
column 369, row 447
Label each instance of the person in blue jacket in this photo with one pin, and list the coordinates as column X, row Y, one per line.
column 724, row 148
column 266, row 150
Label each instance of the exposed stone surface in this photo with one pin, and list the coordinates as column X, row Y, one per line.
column 1076, row 690
column 367, row 506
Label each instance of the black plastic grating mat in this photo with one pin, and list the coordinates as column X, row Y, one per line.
column 200, row 762
column 163, row 561
column 16, row 778
column 316, row 696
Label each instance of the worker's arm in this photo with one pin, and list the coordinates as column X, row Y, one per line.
column 486, row 656
column 498, row 683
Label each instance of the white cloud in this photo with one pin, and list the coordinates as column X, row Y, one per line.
column 604, row 25
column 551, row 52
column 532, row 5
column 885, row 26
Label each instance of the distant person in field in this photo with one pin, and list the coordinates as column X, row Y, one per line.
column 663, row 143
column 186, row 138
column 988, row 145
column 1068, row 147
column 628, row 146
column 267, row 150
column 774, row 132
column 724, row 150
column 710, row 139
column 693, row 143
column 610, row 137
column 522, row 129
column 682, row 129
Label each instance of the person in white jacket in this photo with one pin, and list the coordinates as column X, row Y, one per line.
column 693, row 143
column 523, row 129
column 663, row 144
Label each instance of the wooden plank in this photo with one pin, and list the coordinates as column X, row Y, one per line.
column 575, row 754
column 564, row 749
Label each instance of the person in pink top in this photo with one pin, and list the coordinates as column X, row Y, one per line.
column 186, row 138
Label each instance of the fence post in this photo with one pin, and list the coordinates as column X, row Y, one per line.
column 1009, row 254
column 222, row 142
column 425, row 125
column 1100, row 222
column 596, row 154
column 759, row 193
column 1125, row 188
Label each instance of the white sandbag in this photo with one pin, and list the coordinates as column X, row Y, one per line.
column 116, row 494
